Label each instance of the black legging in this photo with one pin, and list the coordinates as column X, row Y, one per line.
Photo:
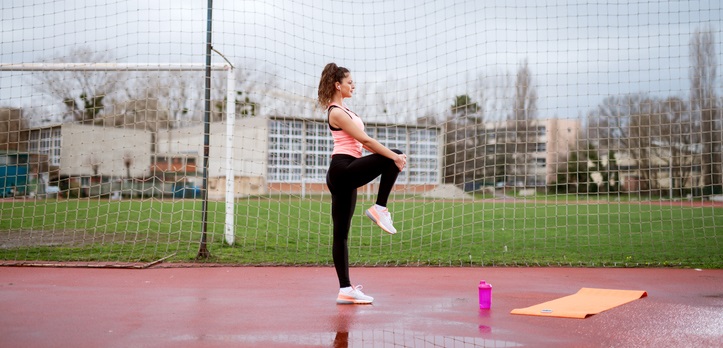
column 346, row 174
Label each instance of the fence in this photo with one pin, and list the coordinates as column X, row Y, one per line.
column 552, row 133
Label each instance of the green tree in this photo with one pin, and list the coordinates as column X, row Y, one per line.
column 464, row 107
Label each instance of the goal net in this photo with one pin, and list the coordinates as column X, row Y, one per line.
column 545, row 133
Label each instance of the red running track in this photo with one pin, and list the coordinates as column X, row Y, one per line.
column 295, row 307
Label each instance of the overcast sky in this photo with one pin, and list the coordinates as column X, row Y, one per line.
column 578, row 53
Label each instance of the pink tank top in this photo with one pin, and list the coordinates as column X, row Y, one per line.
column 343, row 142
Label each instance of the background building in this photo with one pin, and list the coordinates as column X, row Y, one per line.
column 291, row 155
column 278, row 154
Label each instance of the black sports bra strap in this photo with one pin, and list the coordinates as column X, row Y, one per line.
column 328, row 112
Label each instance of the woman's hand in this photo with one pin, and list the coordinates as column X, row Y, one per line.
column 400, row 161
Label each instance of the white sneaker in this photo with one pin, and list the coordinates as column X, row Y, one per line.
column 382, row 217
column 353, row 296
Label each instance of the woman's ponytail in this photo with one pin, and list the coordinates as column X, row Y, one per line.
column 329, row 76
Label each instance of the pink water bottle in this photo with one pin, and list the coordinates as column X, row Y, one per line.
column 485, row 295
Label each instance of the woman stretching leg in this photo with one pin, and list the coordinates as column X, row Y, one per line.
column 349, row 170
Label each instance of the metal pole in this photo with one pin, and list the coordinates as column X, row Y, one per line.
column 303, row 159
column 203, row 248
column 230, row 170
column 670, row 172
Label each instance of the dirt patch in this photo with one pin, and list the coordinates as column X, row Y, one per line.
column 447, row 191
column 37, row 238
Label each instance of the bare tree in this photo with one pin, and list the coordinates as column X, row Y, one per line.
column 243, row 105
column 525, row 99
column 128, row 162
column 521, row 136
column 460, row 141
column 385, row 98
column 640, row 141
column 678, row 138
column 84, row 94
column 93, row 162
column 179, row 96
column 658, row 135
column 143, row 111
column 622, row 124
column 704, row 107
column 254, row 87
column 145, row 104
column 483, row 153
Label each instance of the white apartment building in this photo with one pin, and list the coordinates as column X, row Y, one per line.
column 288, row 154
column 270, row 154
column 81, row 150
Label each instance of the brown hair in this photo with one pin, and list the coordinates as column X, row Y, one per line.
column 331, row 75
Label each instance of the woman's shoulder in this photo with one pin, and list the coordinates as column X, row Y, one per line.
column 335, row 109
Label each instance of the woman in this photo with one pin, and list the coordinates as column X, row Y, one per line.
column 349, row 170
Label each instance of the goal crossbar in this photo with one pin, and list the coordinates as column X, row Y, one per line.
column 109, row 67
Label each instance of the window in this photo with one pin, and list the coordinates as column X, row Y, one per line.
column 46, row 141
column 423, row 155
column 301, row 150
column 290, row 142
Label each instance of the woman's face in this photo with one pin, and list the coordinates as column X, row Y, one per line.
column 346, row 86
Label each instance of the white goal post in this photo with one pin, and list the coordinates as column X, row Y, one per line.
column 230, row 108
column 109, row 67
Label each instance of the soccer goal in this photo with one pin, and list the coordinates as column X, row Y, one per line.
column 98, row 143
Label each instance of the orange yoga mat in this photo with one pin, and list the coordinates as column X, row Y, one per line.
column 583, row 304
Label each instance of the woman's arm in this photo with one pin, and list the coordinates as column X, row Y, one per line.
column 339, row 119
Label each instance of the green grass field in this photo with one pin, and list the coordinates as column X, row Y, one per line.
column 284, row 230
